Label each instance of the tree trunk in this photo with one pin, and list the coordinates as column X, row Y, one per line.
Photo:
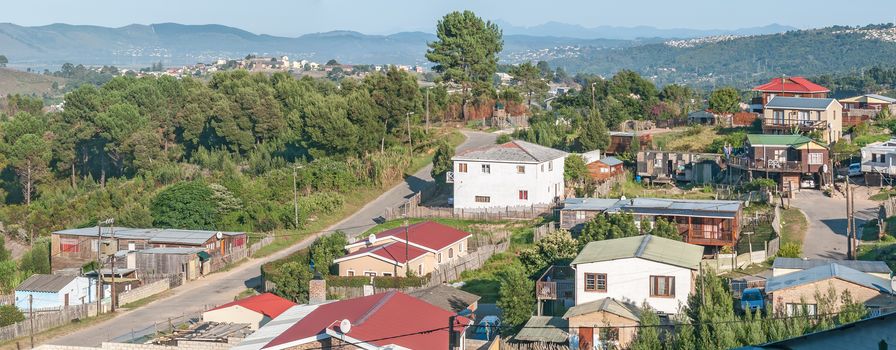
column 84, row 169
column 102, row 171
column 28, row 183
column 74, row 185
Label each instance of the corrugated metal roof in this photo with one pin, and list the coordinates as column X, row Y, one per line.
column 800, row 103
column 594, row 204
column 513, row 151
column 648, row 247
column 882, row 97
column 446, row 297
column 824, row 272
column 859, row 265
column 610, row 305
column 611, row 161
column 171, row 250
column 544, row 329
column 152, row 235
column 777, row 140
column 275, row 327
column 45, row 283
column 657, row 206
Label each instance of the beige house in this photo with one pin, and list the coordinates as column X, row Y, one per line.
column 419, row 248
column 256, row 311
column 607, row 323
column 791, row 292
column 793, row 115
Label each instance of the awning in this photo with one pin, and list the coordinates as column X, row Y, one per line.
column 203, row 256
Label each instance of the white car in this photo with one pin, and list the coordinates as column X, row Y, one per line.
column 807, row 183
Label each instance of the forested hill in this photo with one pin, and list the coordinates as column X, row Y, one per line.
column 741, row 61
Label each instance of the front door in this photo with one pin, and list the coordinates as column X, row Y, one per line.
column 65, row 302
column 586, row 338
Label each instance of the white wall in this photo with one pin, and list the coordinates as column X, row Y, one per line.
column 235, row 314
column 888, row 167
column 503, row 184
column 629, row 280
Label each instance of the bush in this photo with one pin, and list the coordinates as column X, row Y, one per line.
column 186, row 205
column 379, row 281
column 503, row 138
column 790, row 250
column 10, row 314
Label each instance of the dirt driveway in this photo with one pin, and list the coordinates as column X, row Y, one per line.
column 826, row 236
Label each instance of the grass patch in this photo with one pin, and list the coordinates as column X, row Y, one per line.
column 691, row 139
column 870, row 230
column 884, row 194
column 631, row 189
column 793, row 226
column 353, row 203
column 485, row 281
column 885, row 252
column 245, row 294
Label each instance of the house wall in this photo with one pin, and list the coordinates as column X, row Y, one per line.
column 236, row 314
column 887, row 167
column 544, row 183
column 77, row 288
column 573, row 220
column 429, row 261
column 600, row 171
column 833, row 115
column 605, row 319
column 806, row 293
column 363, row 264
column 628, row 280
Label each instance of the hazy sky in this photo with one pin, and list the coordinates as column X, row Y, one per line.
column 296, row 17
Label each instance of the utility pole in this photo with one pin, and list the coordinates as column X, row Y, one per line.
column 593, row 108
column 31, row 316
column 410, row 141
column 112, row 233
column 427, row 110
column 295, row 196
column 849, row 255
column 99, row 276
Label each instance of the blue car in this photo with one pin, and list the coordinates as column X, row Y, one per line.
column 752, row 299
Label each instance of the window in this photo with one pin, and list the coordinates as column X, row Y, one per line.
column 803, row 116
column 387, row 274
column 520, row 169
column 420, row 270
column 350, row 272
column 439, row 258
column 604, row 170
column 450, row 253
column 69, row 245
column 461, row 167
column 551, row 165
column 658, row 163
column 370, row 273
column 792, row 309
column 483, row 199
column 486, row 168
column 662, row 286
column 779, row 117
column 815, row 158
column 595, row 282
column 524, row 195
column 542, row 168
column 460, row 249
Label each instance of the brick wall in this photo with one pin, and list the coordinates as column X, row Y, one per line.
column 806, row 293
column 143, row 292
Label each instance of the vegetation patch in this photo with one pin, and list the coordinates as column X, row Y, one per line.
column 793, row 226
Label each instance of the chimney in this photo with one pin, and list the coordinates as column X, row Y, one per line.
column 317, row 290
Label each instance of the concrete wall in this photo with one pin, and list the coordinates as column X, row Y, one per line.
column 235, row 314
column 145, row 291
column 629, row 280
column 503, row 184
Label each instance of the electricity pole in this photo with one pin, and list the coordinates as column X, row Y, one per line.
column 427, row 110
column 112, row 233
column 31, row 316
column 99, row 276
column 410, row 141
column 295, row 195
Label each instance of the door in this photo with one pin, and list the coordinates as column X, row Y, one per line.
column 586, row 338
column 65, row 300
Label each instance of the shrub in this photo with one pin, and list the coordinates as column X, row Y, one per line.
column 503, row 138
column 790, row 250
column 187, row 205
column 10, row 314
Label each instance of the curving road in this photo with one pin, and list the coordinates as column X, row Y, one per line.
column 220, row 288
column 826, row 234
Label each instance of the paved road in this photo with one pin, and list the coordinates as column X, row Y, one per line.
column 826, row 235
column 220, row 288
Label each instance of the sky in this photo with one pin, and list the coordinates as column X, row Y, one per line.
column 297, row 17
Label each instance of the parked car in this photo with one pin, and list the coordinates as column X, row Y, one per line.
column 752, row 299
column 487, row 328
column 807, row 182
column 855, row 169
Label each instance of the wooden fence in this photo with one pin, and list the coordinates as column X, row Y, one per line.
column 450, row 272
column 544, row 230
column 500, row 344
column 45, row 321
column 260, row 244
column 484, row 214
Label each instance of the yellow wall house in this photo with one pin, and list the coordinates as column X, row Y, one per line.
column 791, row 115
column 255, row 311
column 389, row 253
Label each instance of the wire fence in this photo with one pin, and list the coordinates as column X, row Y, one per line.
column 167, row 326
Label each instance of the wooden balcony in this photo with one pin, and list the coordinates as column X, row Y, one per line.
column 772, row 165
column 794, row 124
column 546, row 290
column 557, row 282
column 696, row 234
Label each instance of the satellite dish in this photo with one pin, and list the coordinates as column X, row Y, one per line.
column 345, row 326
column 371, row 239
column 219, row 235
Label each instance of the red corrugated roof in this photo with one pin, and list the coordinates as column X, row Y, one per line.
column 266, row 304
column 791, row 84
column 393, row 251
column 392, row 314
column 428, row 234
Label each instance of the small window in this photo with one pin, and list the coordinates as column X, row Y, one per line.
column 542, row 168
column 483, row 199
column 793, row 309
column 350, row 272
column 461, row 167
column 551, row 165
column 662, row 286
column 520, row 169
column 595, row 282
column 439, row 258
column 486, row 168
column 370, row 273
column 524, row 195
column 387, row 274
column 450, row 253
column 420, row 270
column 816, row 158
column 460, row 248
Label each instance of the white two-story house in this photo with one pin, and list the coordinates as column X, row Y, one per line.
column 513, row 174
column 879, row 158
column 634, row 270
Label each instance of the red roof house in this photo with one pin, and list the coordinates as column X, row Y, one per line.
column 381, row 320
column 256, row 310
column 791, row 87
column 421, row 248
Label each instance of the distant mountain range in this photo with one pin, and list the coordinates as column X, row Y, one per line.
column 177, row 44
column 558, row 29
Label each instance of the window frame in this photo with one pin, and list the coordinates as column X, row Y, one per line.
column 523, row 195
column 486, row 168
column 450, row 253
column 520, row 169
column 350, row 273
column 483, row 199
column 669, row 283
column 462, row 167
column 596, row 276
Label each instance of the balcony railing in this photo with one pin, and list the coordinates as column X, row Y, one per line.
column 695, row 235
column 769, row 164
column 794, row 123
